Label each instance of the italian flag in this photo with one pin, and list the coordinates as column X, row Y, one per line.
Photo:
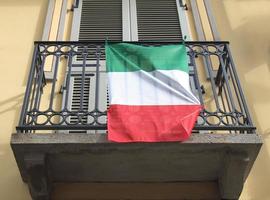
column 149, row 93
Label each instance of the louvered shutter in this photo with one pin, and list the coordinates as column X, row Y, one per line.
column 93, row 20
column 75, row 98
column 88, row 94
column 158, row 20
column 101, row 19
column 152, row 20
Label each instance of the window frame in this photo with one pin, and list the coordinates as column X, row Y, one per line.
column 129, row 21
column 129, row 33
column 60, row 29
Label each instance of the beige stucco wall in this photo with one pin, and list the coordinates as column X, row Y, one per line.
column 21, row 23
column 242, row 22
column 245, row 23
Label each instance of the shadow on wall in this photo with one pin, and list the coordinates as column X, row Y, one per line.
column 247, row 29
column 12, row 104
column 245, row 24
column 38, row 22
column 23, row 24
column 12, row 186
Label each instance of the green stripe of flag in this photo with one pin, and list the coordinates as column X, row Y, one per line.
column 126, row 57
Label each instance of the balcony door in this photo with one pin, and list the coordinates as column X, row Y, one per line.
column 129, row 20
column 119, row 20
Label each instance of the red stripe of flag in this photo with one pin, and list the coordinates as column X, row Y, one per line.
column 157, row 123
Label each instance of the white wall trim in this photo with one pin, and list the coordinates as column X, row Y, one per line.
column 133, row 21
column 183, row 21
column 211, row 20
column 76, row 22
column 126, row 36
column 48, row 20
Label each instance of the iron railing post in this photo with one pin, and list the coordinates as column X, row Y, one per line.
column 28, row 86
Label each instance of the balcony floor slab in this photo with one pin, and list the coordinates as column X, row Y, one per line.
column 225, row 158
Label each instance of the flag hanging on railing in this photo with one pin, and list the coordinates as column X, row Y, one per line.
column 150, row 94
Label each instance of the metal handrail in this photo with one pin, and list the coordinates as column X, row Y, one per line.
column 225, row 108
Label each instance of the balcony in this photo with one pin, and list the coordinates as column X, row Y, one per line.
column 63, row 123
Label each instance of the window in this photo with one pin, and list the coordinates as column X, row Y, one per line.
column 129, row 20
column 118, row 20
column 97, row 19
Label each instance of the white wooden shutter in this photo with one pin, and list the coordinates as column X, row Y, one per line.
column 154, row 20
column 162, row 20
column 74, row 106
column 75, row 91
column 158, row 20
column 97, row 20
column 93, row 20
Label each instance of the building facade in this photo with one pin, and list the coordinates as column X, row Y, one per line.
column 77, row 162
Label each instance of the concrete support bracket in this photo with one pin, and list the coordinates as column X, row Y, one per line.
column 38, row 176
column 232, row 174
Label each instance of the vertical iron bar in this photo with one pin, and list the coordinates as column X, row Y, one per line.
column 70, row 57
column 241, row 93
column 224, row 106
column 84, row 54
column 28, row 87
column 34, row 86
column 39, row 99
column 193, row 63
column 32, row 98
column 227, row 99
column 40, row 77
column 235, row 88
column 227, row 83
column 97, row 78
column 56, row 62
column 220, row 83
column 213, row 85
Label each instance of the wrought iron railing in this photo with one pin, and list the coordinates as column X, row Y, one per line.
column 48, row 105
